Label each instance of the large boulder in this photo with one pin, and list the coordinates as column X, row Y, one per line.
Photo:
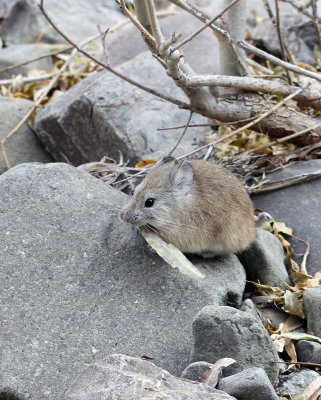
column 78, row 19
column 77, row 284
column 299, row 207
column 23, row 146
column 120, row 377
column 103, row 115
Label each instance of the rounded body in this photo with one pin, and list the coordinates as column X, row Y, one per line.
column 197, row 206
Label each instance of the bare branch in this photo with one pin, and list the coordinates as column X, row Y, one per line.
column 182, row 135
column 294, row 180
column 103, row 40
column 26, row 79
column 221, row 34
column 134, row 20
column 302, row 9
column 202, row 28
column 179, row 103
column 280, row 36
column 310, row 98
column 277, row 61
column 157, row 33
column 258, row 119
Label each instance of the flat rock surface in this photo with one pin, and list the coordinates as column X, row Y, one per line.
column 299, row 207
column 120, row 377
column 23, row 146
column 77, row 284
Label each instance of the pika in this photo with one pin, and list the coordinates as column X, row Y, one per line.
column 195, row 205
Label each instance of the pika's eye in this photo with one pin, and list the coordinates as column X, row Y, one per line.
column 149, row 202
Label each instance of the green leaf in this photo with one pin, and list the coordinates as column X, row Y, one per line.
column 300, row 336
column 171, row 254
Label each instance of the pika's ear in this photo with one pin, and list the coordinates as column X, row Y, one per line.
column 183, row 178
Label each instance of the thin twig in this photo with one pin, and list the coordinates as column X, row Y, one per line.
column 56, row 52
column 277, row 61
column 297, row 362
column 210, row 125
column 284, row 139
column 293, row 181
column 53, row 53
column 315, row 23
column 207, row 24
column 179, row 103
column 280, row 36
column 302, row 10
column 202, row 16
column 182, row 135
column 259, row 67
column 134, row 20
column 4, row 153
column 258, row 119
column 103, row 40
column 157, row 33
column 26, row 79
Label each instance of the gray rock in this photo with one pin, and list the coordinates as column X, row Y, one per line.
column 121, row 377
column 246, row 385
column 77, row 284
column 249, row 307
column 299, row 207
column 23, row 146
column 195, row 371
column 298, row 33
column 296, row 382
column 103, row 115
column 226, row 332
column 201, row 53
column 263, row 260
column 312, row 308
column 20, row 53
column 308, row 351
column 78, row 19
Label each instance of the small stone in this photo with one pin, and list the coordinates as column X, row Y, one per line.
column 263, row 260
column 312, row 307
column 296, row 382
column 221, row 332
column 246, row 385
column 195, row 371
column 308, row 351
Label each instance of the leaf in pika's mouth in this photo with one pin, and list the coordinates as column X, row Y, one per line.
column 171, row 254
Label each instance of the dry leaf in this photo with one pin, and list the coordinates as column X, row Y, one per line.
column 210, row 376
column 143, row 163
column 171, row 254
column 313, row 391
column 292, row 305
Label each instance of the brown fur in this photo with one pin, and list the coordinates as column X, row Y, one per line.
column 213, row 215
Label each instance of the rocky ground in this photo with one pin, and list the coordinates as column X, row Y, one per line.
column 88, row 310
